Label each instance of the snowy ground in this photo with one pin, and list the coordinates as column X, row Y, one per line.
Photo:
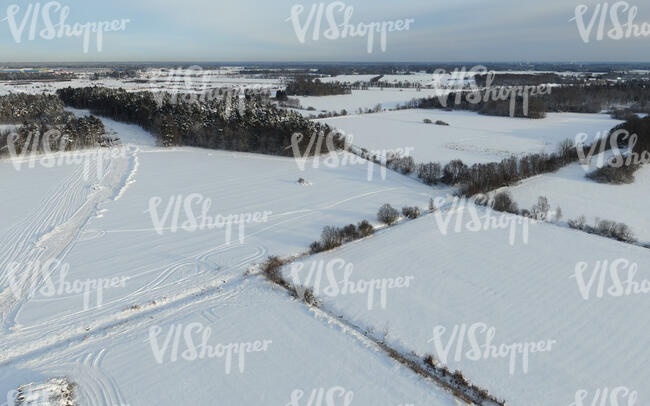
column 99, row 229
column 527, row 292
column 577, row 196
column 127, row 221
column 471, row 137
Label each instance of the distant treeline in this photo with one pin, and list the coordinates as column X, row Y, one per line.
column 452, row 101
column 36, row 76
column 306, row 86
column 622, row 97
column 231, row 123
column 592, row 98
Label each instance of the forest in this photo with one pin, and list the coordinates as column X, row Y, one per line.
column 233, row 123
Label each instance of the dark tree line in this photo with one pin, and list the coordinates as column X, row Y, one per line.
column 465, row 100
column 229, row 123
column 306, row 86
column 584, row 98
column 19, row 107
column 39, row 136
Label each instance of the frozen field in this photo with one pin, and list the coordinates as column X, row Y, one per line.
column 578, row 196
column 98, row 228
column 526, row 292
column 471, row 137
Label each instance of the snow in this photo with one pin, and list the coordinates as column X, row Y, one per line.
column 527, row 292
column 471, row 137
column 576, row 195
column 99, row 229
column 97, row 219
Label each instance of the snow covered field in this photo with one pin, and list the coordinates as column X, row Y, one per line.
column 471, row 137
column 577, row 196
column 99, row 229
column 113, row 270
column 526, row 293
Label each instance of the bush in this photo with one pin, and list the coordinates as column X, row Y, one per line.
column 613, row 175
column 541, row 210
column 316, row 247
column 272, row 269
column 365, row 229
column 411, row 212
column 387, row 214
column 503, row 202
column 429, row 173
column 578, row 224
column 331, row 237
column 349, row 233
column 617, row 231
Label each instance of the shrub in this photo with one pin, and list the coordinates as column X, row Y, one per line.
column 454, row 172
column 365, row 229
column 503, row 202
column 432, row 206
column 617, row 231
column 578, row 224
column 541, row 209
column 387, row 214
column 411, row 212
column 272, row 269
column 429, row 173
column 331, row 237
column 316, row 247
column 349, row 233
column 614, row 175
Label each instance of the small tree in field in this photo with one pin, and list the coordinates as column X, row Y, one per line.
column 387, row 214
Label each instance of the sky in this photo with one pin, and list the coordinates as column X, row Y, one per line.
column 262, row 30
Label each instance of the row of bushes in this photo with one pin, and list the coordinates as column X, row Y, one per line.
column 605, row 228
column 333, row 237
column 502, row 201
